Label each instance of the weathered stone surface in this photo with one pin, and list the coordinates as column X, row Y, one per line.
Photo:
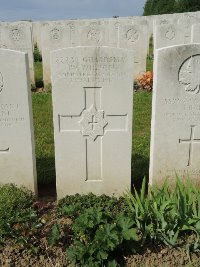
column 92, row 106
column 195, row 33
column 186, row 21
column 168, row 33
column 18, row 36
column 119, row 32
column 17, row 156
column 135, row 37
column 93, row 33
column 54, row 35
column 175, row 140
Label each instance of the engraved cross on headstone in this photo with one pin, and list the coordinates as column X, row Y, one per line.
column 92, row 123
column 190, row 141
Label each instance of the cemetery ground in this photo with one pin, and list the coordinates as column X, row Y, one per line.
column 159, row 228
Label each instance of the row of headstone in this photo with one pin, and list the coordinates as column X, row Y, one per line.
column 92, row 137
column 120, row 33
column 132, row 33
column 92, row 110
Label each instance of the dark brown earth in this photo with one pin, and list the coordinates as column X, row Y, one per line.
column 38, row 253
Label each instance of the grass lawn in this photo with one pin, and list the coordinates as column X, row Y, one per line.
column 44, row 142
column 38, row 74
column 141, row 136
column 43, row 123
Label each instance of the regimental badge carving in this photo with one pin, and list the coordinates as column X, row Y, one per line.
column 132, row 36
column 189, row 74
column 16, row 34
column 170, row 33
column 55, row 34
column 93, row 123
column 1, row 82
column 94, row 35
column 117, row 25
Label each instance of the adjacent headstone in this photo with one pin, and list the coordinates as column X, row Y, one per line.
column 135, row 37
column 168, row 34
column 17, row 157
column 18, row 36
column 175, row 140
column 92, row 106
column 54, row 35
column 93, row 33
column 186, row 22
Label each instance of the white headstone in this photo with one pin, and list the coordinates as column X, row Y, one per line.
column 196, row 33
column 168, row 34
column 135, row 37
column 18, row 36
column 186, row 22
column 93, row 33
column 17, row 156
column 92, row 106
column 175, row 140
column 54, row 35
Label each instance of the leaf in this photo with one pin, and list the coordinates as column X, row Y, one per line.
column 130, row 234
column 54, row 235
column 112, row 263
column 103, row 255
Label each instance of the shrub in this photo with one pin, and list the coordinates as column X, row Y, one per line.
column 73, row 206
column 16, row 212
column 97, row 237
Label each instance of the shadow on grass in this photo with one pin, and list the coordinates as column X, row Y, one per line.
column 46, row 177
column 139, row 170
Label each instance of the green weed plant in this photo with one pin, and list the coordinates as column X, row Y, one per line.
column 16, row 212
column 103, row 228
column 165, row 215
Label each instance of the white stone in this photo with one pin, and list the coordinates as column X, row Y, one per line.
column 186, row 22
column 18, row 36
column 175, row 131
column 17, row 155
column 92, row 107
column 93, row 33
column 99, row 32
column 168, row 34
column 54, row 35
column 196, row 33
column 135, row 37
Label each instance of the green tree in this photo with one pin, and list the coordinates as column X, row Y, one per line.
column 155, row 7
column 188, row 5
